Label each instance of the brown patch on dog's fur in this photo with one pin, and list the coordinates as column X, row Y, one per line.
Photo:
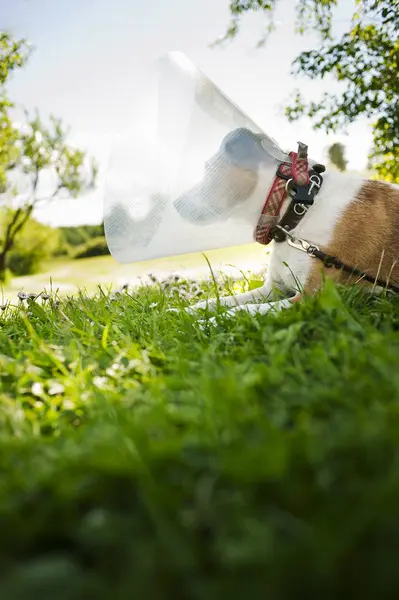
column 366, row 237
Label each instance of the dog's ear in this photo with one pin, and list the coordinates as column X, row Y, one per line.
column 244, row 148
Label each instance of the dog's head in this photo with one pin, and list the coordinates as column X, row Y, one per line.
column 230, row 177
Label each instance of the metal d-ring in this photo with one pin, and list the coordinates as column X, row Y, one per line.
column 302, row 210
column 315, row 182
column 289, row 192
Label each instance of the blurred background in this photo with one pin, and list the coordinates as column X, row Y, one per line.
column 66, row 95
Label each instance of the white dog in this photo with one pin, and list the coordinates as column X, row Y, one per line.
column 307, row 214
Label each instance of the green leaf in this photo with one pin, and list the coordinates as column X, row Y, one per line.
column 255, row 283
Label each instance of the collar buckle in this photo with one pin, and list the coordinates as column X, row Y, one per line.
column 295, row 180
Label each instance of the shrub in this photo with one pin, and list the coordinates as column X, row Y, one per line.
column 36, row 243
column 22, row 262
column 96, row 247
column 76, row 236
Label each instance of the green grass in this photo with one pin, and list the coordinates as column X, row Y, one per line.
column 68, row 276
column 144, row 457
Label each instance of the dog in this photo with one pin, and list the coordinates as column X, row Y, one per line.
column 342, row 215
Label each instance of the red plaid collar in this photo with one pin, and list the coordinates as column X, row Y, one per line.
column 298, row 171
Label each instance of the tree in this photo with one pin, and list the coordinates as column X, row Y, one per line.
column 365, row 59
column 336, row 155
column 36, row 163
column 13, row 54
column 33, row 245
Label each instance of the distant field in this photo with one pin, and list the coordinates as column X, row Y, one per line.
column 70, row 275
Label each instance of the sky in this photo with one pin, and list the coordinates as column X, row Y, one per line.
column 92, row 59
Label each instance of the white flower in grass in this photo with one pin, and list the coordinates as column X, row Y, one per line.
column 45, row 297
column 114, row 370
column 56, row 388
column 37, row 389
column 181, row 291
column 153, row 304
column 195, row 289
column 5, row 305
column 34, row 370
column 22, row 296
column 100, row 382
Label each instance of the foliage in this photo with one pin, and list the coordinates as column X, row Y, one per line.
column 75, row 236
column 73, row 239
column 13, row 54
column 365, row 60
column 336, row 155
column 144, row 457
column 36, row 243
column 95, row 247
column 30, row 155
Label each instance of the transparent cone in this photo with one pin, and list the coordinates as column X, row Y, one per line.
column 192, row 178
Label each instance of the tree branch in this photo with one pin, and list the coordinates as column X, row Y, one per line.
column 37, row 201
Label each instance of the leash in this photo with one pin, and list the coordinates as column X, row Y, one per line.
column 330, row 261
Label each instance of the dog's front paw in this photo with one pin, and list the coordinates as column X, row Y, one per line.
column 205, row 324
column 209, row 304
column 214, row 321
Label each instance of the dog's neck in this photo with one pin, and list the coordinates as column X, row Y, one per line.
column 251, row 210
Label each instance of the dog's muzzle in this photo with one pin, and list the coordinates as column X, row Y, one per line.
column 194, row 210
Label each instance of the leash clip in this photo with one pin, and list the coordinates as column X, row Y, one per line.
column 299, row 243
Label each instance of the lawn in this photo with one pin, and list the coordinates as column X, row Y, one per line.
column 67, row 276
column 145, row 457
